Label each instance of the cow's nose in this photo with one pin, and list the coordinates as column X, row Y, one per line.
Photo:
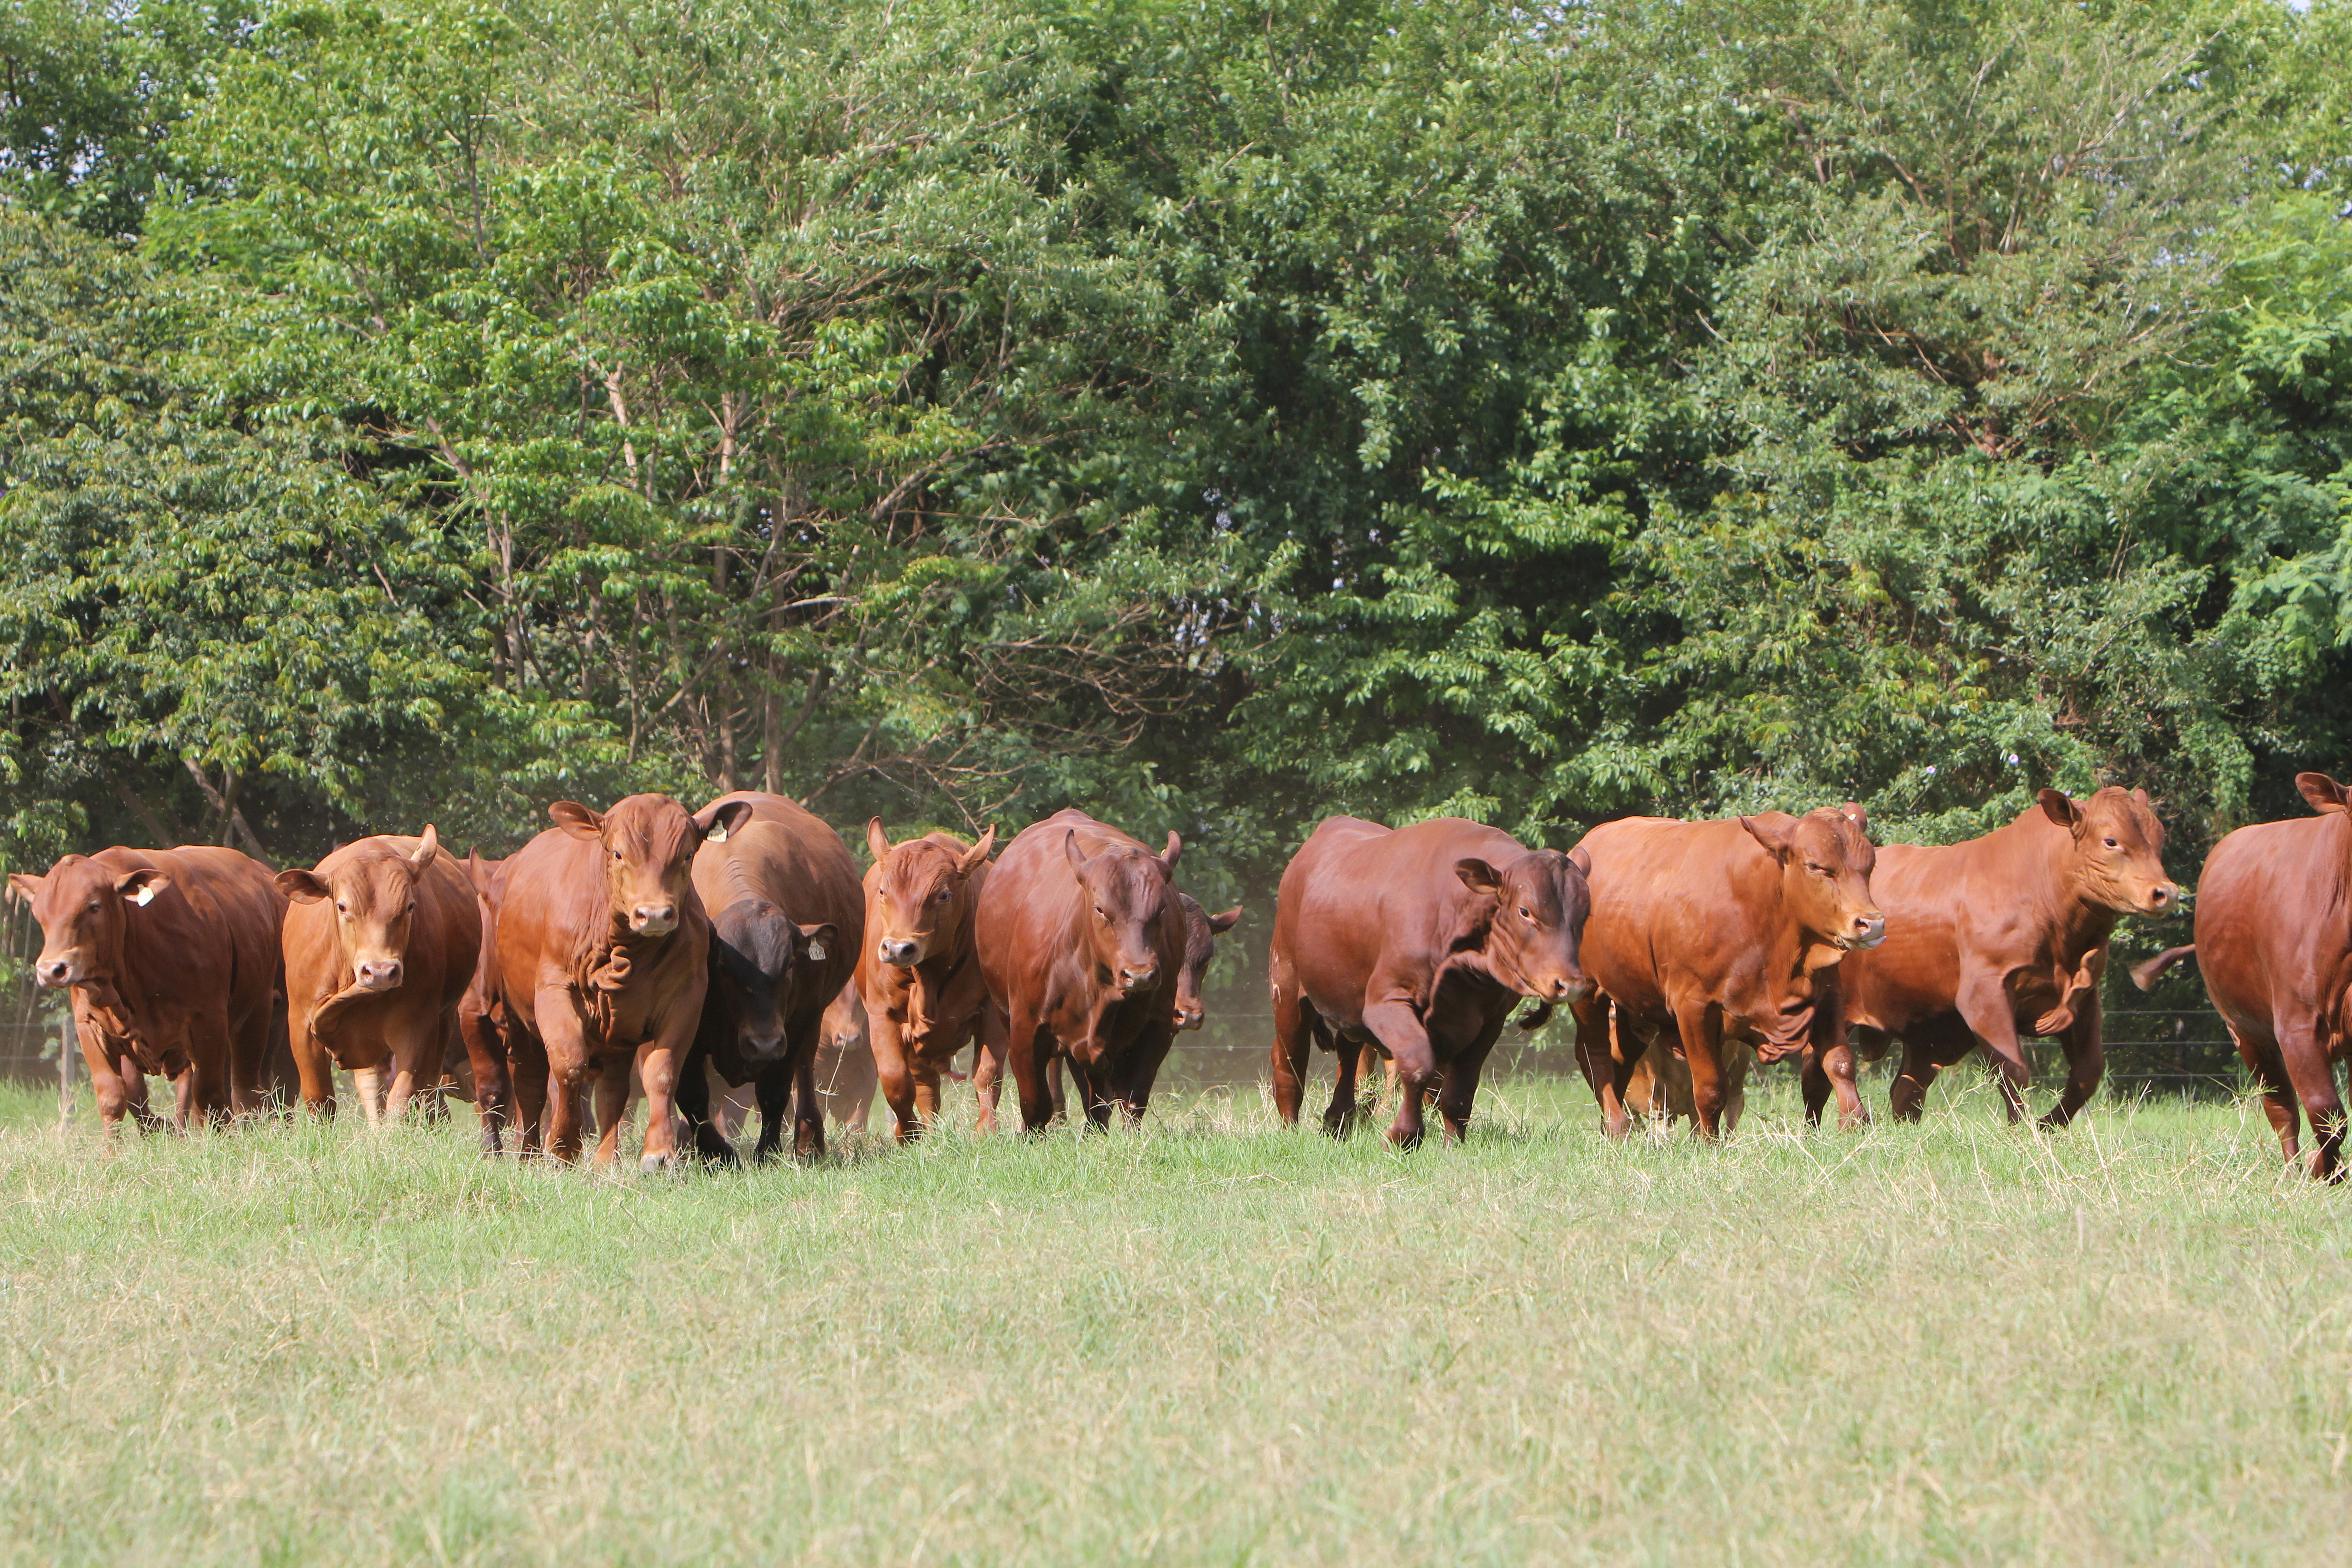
column 896, row 950
column 52, row 971
column 653, row 919
column 1188, row 1017
column 1869, row 929
column 1134, row 979
column 1564, row 989
column 2160, row 895
column 380, row 974
column 765, row 1045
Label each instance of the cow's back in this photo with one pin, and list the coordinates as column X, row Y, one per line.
column 2273, row 926
column 233, row 894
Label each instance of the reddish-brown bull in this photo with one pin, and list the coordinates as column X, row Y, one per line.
column 173, row 959
column 1079, row 939
column 916, row 972
column 604, row 957
column 379, row 945
column 1202, row 930
column 1712, row 936
column 2276, row 947
column 1421, row 941
column 786, row 923
column 1997, row 937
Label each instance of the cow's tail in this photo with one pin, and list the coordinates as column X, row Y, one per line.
column 2145, row 976
column 1536, row 1017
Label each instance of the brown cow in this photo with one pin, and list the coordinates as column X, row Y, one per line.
column 1079, row 941
column 1421, row 940
column 173, row 959
column 1708, row 936
column 2276, row 952
column 603, row 955
column 916, row 972
column 845, row 1075
column 1997, row 937
column 380, row 944
column 1202, row 930
column 786, row 924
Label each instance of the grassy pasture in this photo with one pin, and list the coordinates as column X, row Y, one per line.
column 1212, row 1342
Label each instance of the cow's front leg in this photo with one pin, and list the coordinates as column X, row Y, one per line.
column 2086, row 1061
column 1459, row 1088
column 808, row 1111
column 1700, row 1024
column 896, row 1073
column 1986, row 1009
column 1346, row 1088
column 1596, row 1059
column 1400, row 1028
column 612, row 1088
column 658, row 1062
column 1829, row 1058
column 565, row 1041
column 774, row 1086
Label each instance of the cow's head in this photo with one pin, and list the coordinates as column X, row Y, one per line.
column 83, row 905
column 758, row 948
column 2118, row 850
column 1535, row 935
column 1826, row 858
column 1202, row 931
column 375, row 900
column 844, row 1026
column 649, row 843
column 920, row 893
column 1127, row 893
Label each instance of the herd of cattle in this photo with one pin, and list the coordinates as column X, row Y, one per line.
column 696, row 959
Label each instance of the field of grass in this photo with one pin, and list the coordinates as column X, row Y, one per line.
column 1212, row 1342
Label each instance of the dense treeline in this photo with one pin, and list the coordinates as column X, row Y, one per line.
column 1218, row 415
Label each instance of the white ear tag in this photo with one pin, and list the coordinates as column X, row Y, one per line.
column 817, row 951
column 143, row 897
column 718, row 835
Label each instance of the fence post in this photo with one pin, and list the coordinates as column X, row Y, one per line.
column 69, row 1047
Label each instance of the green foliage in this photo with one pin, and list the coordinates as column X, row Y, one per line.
column 1217, row 416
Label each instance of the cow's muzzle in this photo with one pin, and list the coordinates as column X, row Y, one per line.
column 2164, row 898
column 1189, row 1019
column 1869, row 929
column 1566, row 988
column 900, row 951
column 653, row 919
column 763, row 1046
column 1140, row 978
column 55, row 972
column 378, row 974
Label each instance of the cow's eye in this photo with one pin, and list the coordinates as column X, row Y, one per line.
column 93, row 906
column 2111, row 844
column 616, row 855
column 1525, row 913
column 1817, row 870
column 946, row 893
column 412, row 906
column 341, row 908
column 1102, row 912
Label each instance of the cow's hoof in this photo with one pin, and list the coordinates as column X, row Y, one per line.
column 653, row 1164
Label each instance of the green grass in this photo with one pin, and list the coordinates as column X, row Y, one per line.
column 1212, row 1342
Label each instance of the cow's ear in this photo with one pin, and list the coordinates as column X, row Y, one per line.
column 2323, row 793
column 817, row 939
column 1581, row 858
column 1479, row 876
column 478, row 873
column 715, row 822
column 2059, row 810
column 428, row 844
column 1175, row 847
column 141, row 885
column 577, row 819
column 302, row 886
column 1221, row 924
column 2139, row 798
column 877, row 840
column 27, row 886
column 1853, row 812
column 1070, row 852
column 1776, row 830
column 977, row 856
